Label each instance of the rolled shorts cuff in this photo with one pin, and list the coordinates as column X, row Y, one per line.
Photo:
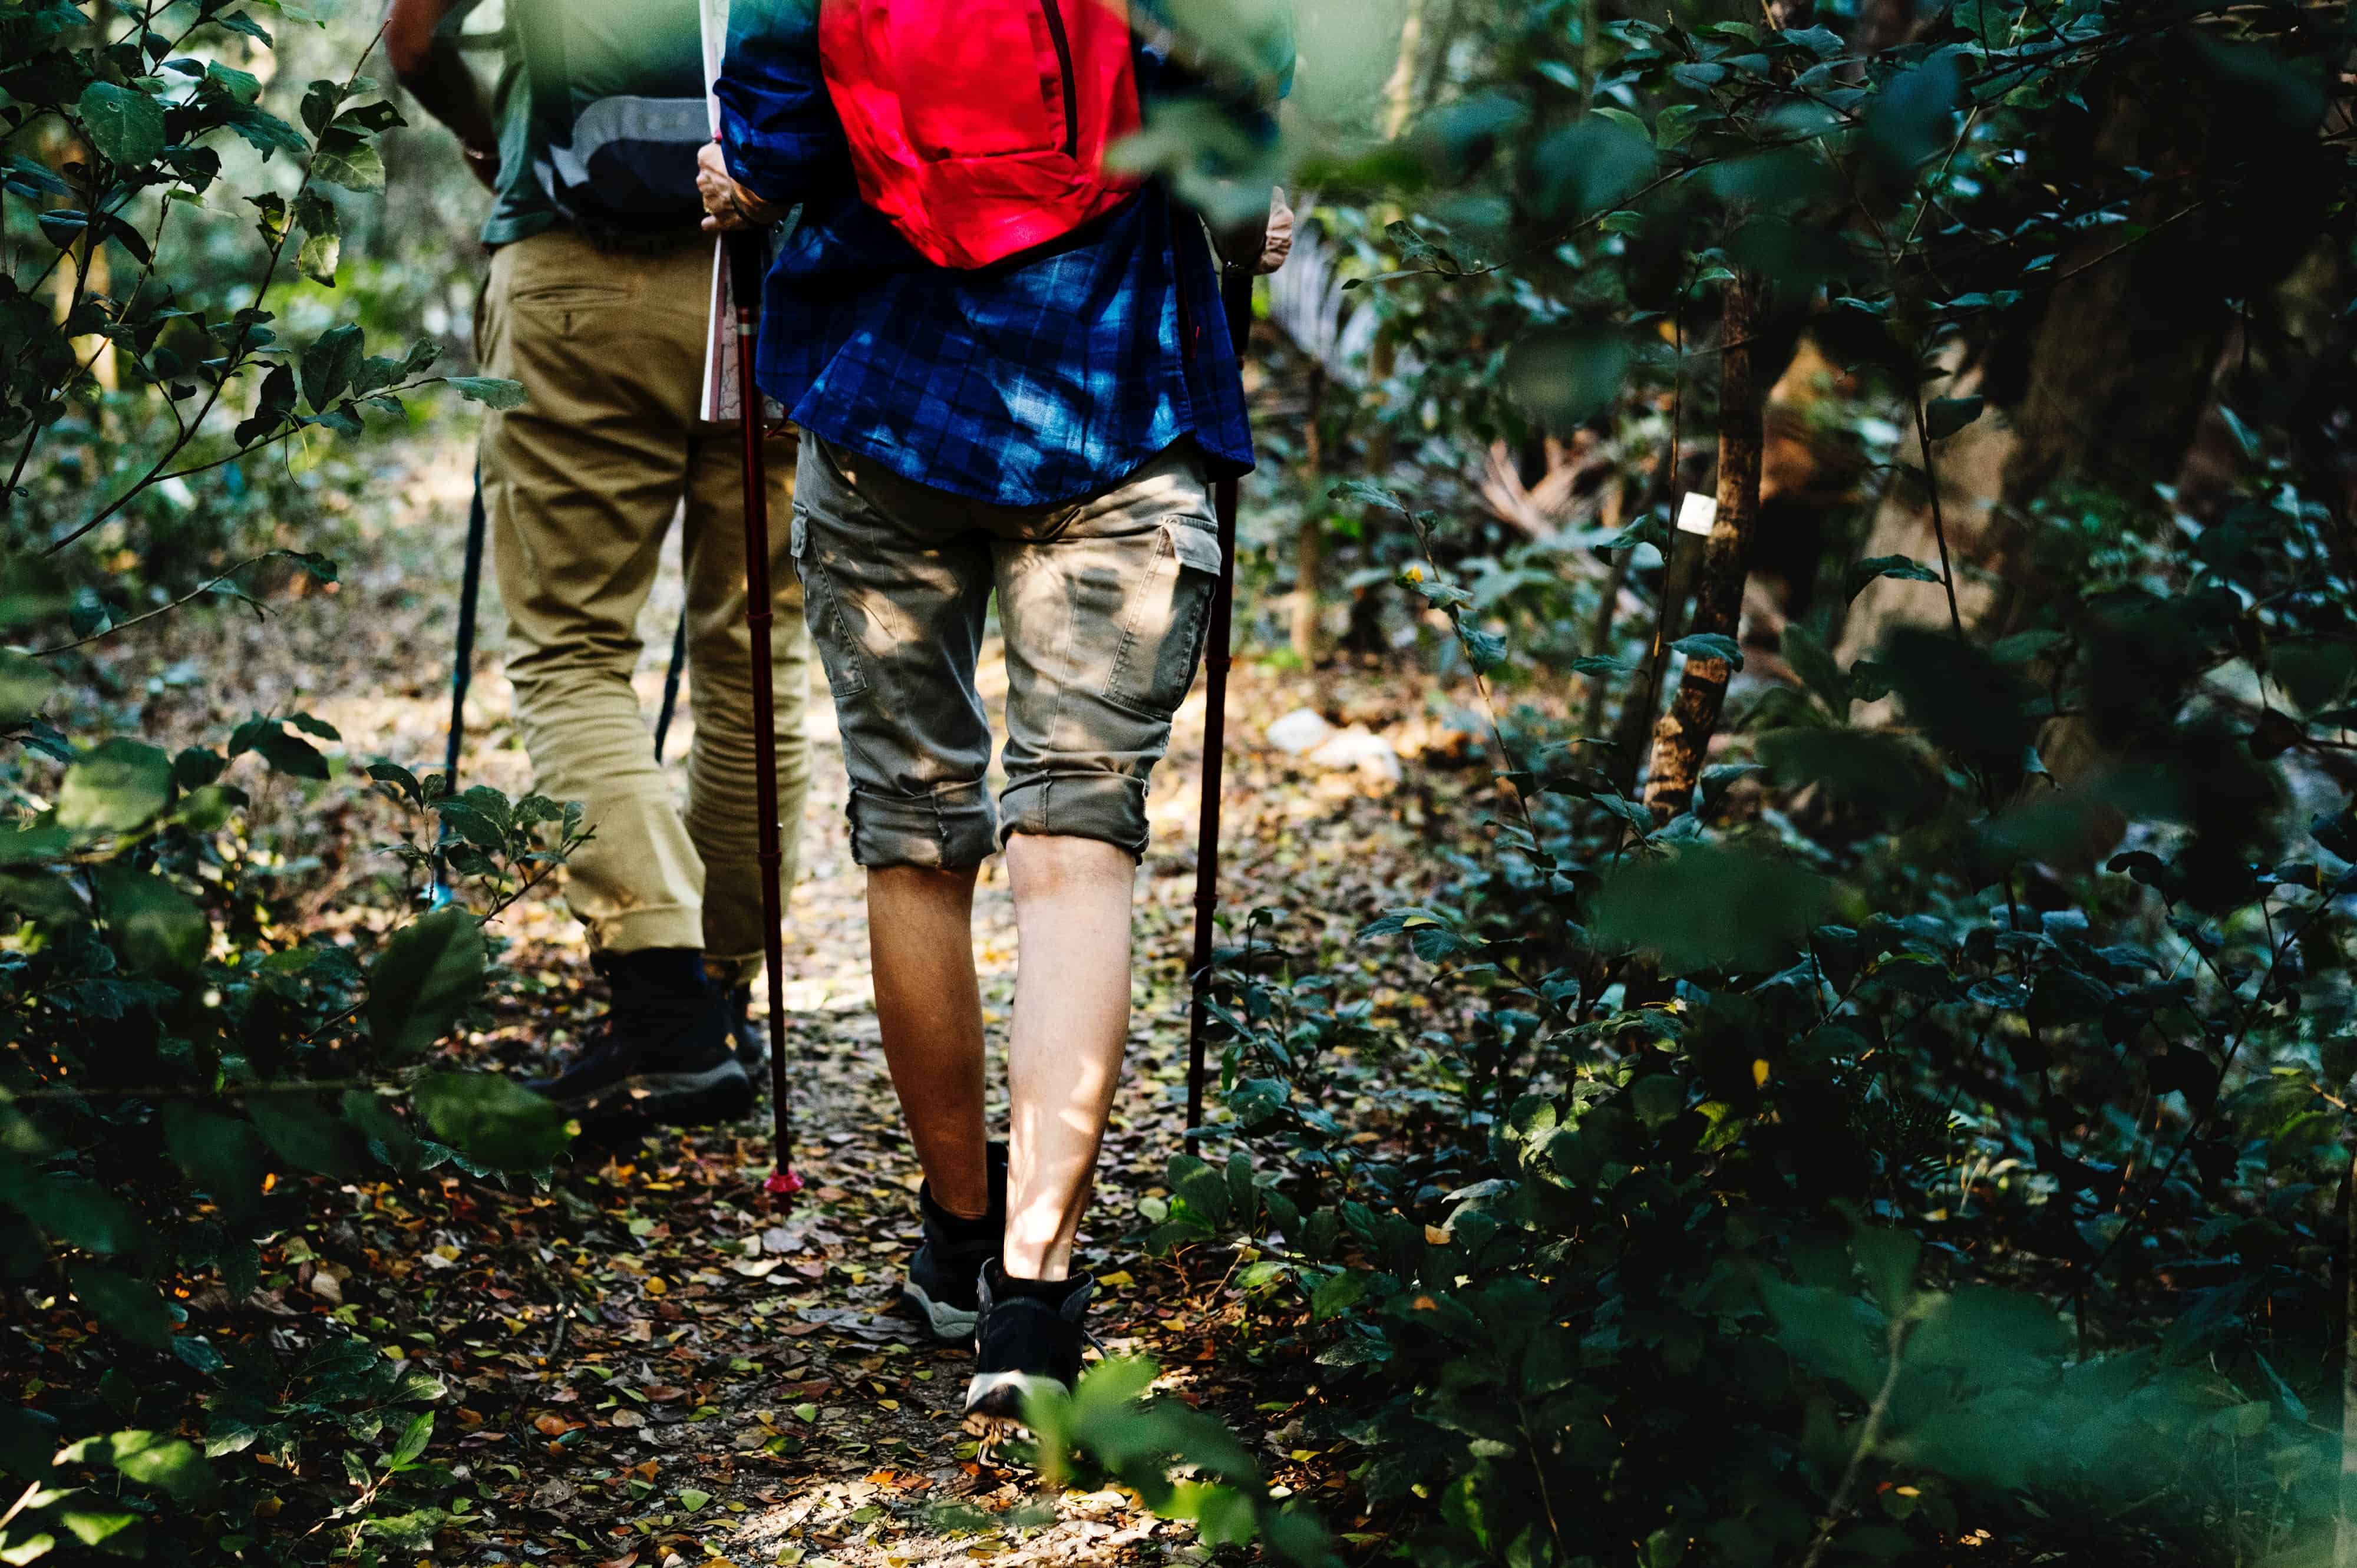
column 949, row 828
column 648, row 926
column 1107, row 807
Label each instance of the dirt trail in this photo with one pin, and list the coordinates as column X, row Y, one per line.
column 646, row 1364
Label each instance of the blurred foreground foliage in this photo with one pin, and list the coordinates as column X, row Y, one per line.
column 184, row 1043
column 1931, row 1137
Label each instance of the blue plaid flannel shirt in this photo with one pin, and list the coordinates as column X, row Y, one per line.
column 1029, row 385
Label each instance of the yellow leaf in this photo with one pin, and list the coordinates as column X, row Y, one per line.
column 655, row 1285
column 1117, row 1280
column 1760, row 1072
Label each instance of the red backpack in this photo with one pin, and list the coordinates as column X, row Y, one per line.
column 980, row 127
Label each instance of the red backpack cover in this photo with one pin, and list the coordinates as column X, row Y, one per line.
column 980, row 127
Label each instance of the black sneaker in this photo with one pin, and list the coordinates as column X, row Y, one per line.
column 663, row 1051
column 1030, row 1340
column 945, row 1276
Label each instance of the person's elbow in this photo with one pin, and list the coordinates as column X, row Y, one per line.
column 410, row 38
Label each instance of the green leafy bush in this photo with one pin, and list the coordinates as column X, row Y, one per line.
column 184, row 1055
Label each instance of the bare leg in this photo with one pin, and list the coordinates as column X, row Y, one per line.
column 1072, row 903
column 929, row 1004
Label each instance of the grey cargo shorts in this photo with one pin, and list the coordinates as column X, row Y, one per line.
column 1102, row 605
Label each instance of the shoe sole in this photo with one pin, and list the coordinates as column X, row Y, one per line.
column 951, row 1324
column 993, row 1400
column 722, row 1092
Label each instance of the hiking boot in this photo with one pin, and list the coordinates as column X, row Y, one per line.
column 1029, row 1340
column 751, row 1040
column 663, row 1049
column 945, row 1276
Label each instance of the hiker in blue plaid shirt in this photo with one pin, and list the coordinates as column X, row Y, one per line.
column 1046, row 431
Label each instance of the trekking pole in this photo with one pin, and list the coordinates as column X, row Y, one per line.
column 470, row 586
column 1235, row 299
column 670, row 684
column 745, row 269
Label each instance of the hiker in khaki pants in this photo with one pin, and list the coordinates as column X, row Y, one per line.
column 602, row 316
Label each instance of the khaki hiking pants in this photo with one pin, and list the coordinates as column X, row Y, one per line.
column 580, row 485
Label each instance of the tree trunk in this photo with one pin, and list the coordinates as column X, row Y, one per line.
column 2106, row 388
column 1682, row 735
column 1399, row 93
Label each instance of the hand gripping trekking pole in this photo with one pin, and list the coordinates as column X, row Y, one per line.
column 745, row 269
column 1235, row 300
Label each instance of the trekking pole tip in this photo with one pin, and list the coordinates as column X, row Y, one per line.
column 783, row 1183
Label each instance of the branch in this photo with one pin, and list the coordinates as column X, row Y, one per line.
column 237, row 348
column 159, row 609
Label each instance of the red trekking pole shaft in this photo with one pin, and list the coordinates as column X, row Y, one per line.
column 745, row 269
column 1235, row 300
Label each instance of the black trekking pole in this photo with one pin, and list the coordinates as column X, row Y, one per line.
column 1235, row 299
column 744, row 269
column 462, row 674
column 670, row 684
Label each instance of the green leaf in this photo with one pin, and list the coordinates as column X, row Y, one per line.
column 1906, row 567
column 17, row 1549
column 1337, row 1293
column 414, row 1439
column 1709, row 906
column 158, row 928
column 242, row 86
column 102, row 1529
column 428, row 976
column 1711, row 645
column 1943, row 416
column 693, row 1500
column 1365, row 493
column 329, row 363
column 1563, row 376
column 1887, row 1260
column 221, row 1155
column 288, row 754
column 116, row 786
column 126, row 1307
column 148, row 1459
column 307, row 1136
column 488, row 390
column 350, row 159
column 73, row 1208
column 2312, row 673
column 1485, row 650
column 492, row 1119
column 123, row 122
column 1913, row 115
column 30, row 590
column 25, row 685
column 319, row 258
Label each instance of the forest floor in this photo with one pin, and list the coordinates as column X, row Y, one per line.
column 645, row 1362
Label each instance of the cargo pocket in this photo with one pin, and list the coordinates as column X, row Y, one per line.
column 1169, row 614
column 838, row 651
